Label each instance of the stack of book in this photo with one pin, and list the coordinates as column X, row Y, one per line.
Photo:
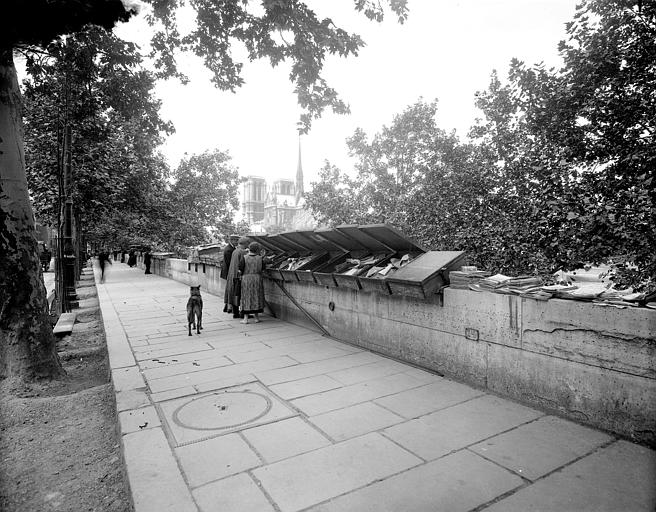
column 525, row 286
column 491, row 283
column 463, row 278
column 522, row 285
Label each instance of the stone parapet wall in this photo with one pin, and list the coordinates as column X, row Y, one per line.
column 594, row 364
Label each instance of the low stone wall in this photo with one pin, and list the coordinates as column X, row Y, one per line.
column 593, row 364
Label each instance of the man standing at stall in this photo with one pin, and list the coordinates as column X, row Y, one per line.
column 233, row 279
column 225, row 267
column 147, row 260
column 103, row 260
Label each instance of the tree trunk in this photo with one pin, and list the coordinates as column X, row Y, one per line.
column 27, row 345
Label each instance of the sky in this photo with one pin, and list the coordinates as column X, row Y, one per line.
column 446, row 50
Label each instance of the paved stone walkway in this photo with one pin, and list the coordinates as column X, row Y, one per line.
column 275, row 417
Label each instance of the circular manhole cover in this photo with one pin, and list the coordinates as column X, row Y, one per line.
column 217, row 411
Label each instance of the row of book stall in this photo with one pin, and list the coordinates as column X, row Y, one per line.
column 372, row 258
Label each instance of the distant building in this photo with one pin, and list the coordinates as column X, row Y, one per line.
column 279, row 206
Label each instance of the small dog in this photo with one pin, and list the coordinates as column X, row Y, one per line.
column 195, row 310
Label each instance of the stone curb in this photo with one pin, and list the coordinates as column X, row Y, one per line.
column 155, row 481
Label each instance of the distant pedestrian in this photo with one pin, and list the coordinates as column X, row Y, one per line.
column 103, row 259
column 132, row 258
column 147, row 261
column 252, row 285
column 233, row 279
column 115, row 255
column 225, row 267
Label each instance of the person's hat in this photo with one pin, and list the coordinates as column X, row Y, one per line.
column 234, row 237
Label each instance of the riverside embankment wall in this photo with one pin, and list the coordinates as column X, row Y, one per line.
column 594, row 364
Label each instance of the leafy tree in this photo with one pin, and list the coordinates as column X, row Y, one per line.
column 389, row 171
column 333, row 200
column 529, row 179
column 204, row 195
column 93, row 82
column 593, row 122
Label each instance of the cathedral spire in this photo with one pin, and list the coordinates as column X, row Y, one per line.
column 299, row 172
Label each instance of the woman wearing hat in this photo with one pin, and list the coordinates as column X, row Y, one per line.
column 252, row 285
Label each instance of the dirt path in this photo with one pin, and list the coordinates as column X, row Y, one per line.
column 59, row 448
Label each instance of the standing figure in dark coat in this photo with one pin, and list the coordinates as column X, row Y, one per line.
column 147, row 261
column 252, row 285
column 103, row 259
column 233, row 279
column 225, row 266
column 132, row 258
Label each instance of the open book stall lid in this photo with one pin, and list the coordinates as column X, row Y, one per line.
column 370, row 243
column 309, row 240
column 392, row 238
column 289, row 245
column 339, row 239
column 375, row 238
column 428, row 265
column 266, row 242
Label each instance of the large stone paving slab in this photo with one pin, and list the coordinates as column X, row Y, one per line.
column 535, row 449
column 218, row 374
column 355, row 420
column 216, row 458
column 308, row 479
column 357, row 393
column 194, row 418
column 304, row 387
column 170, row 350
column 619, row 478
column 155, row 480
column 197, row 364
column 442, row 432
column 426, row 399
column 238, row 493
column 456, row 483
column 368, row 372
column 302, row 371
column 283, row 439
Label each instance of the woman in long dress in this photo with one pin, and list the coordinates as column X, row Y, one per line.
column 252, row 285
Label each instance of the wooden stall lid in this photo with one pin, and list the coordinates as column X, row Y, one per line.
column 265, row 242
column 345, row 242
column 422, row 268
column 303, row 239
column 318, row 238
column 370, row 243
column 317, row 241
column 392, row 238
column 288, row 245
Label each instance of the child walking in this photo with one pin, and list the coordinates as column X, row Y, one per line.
column 252, row 285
